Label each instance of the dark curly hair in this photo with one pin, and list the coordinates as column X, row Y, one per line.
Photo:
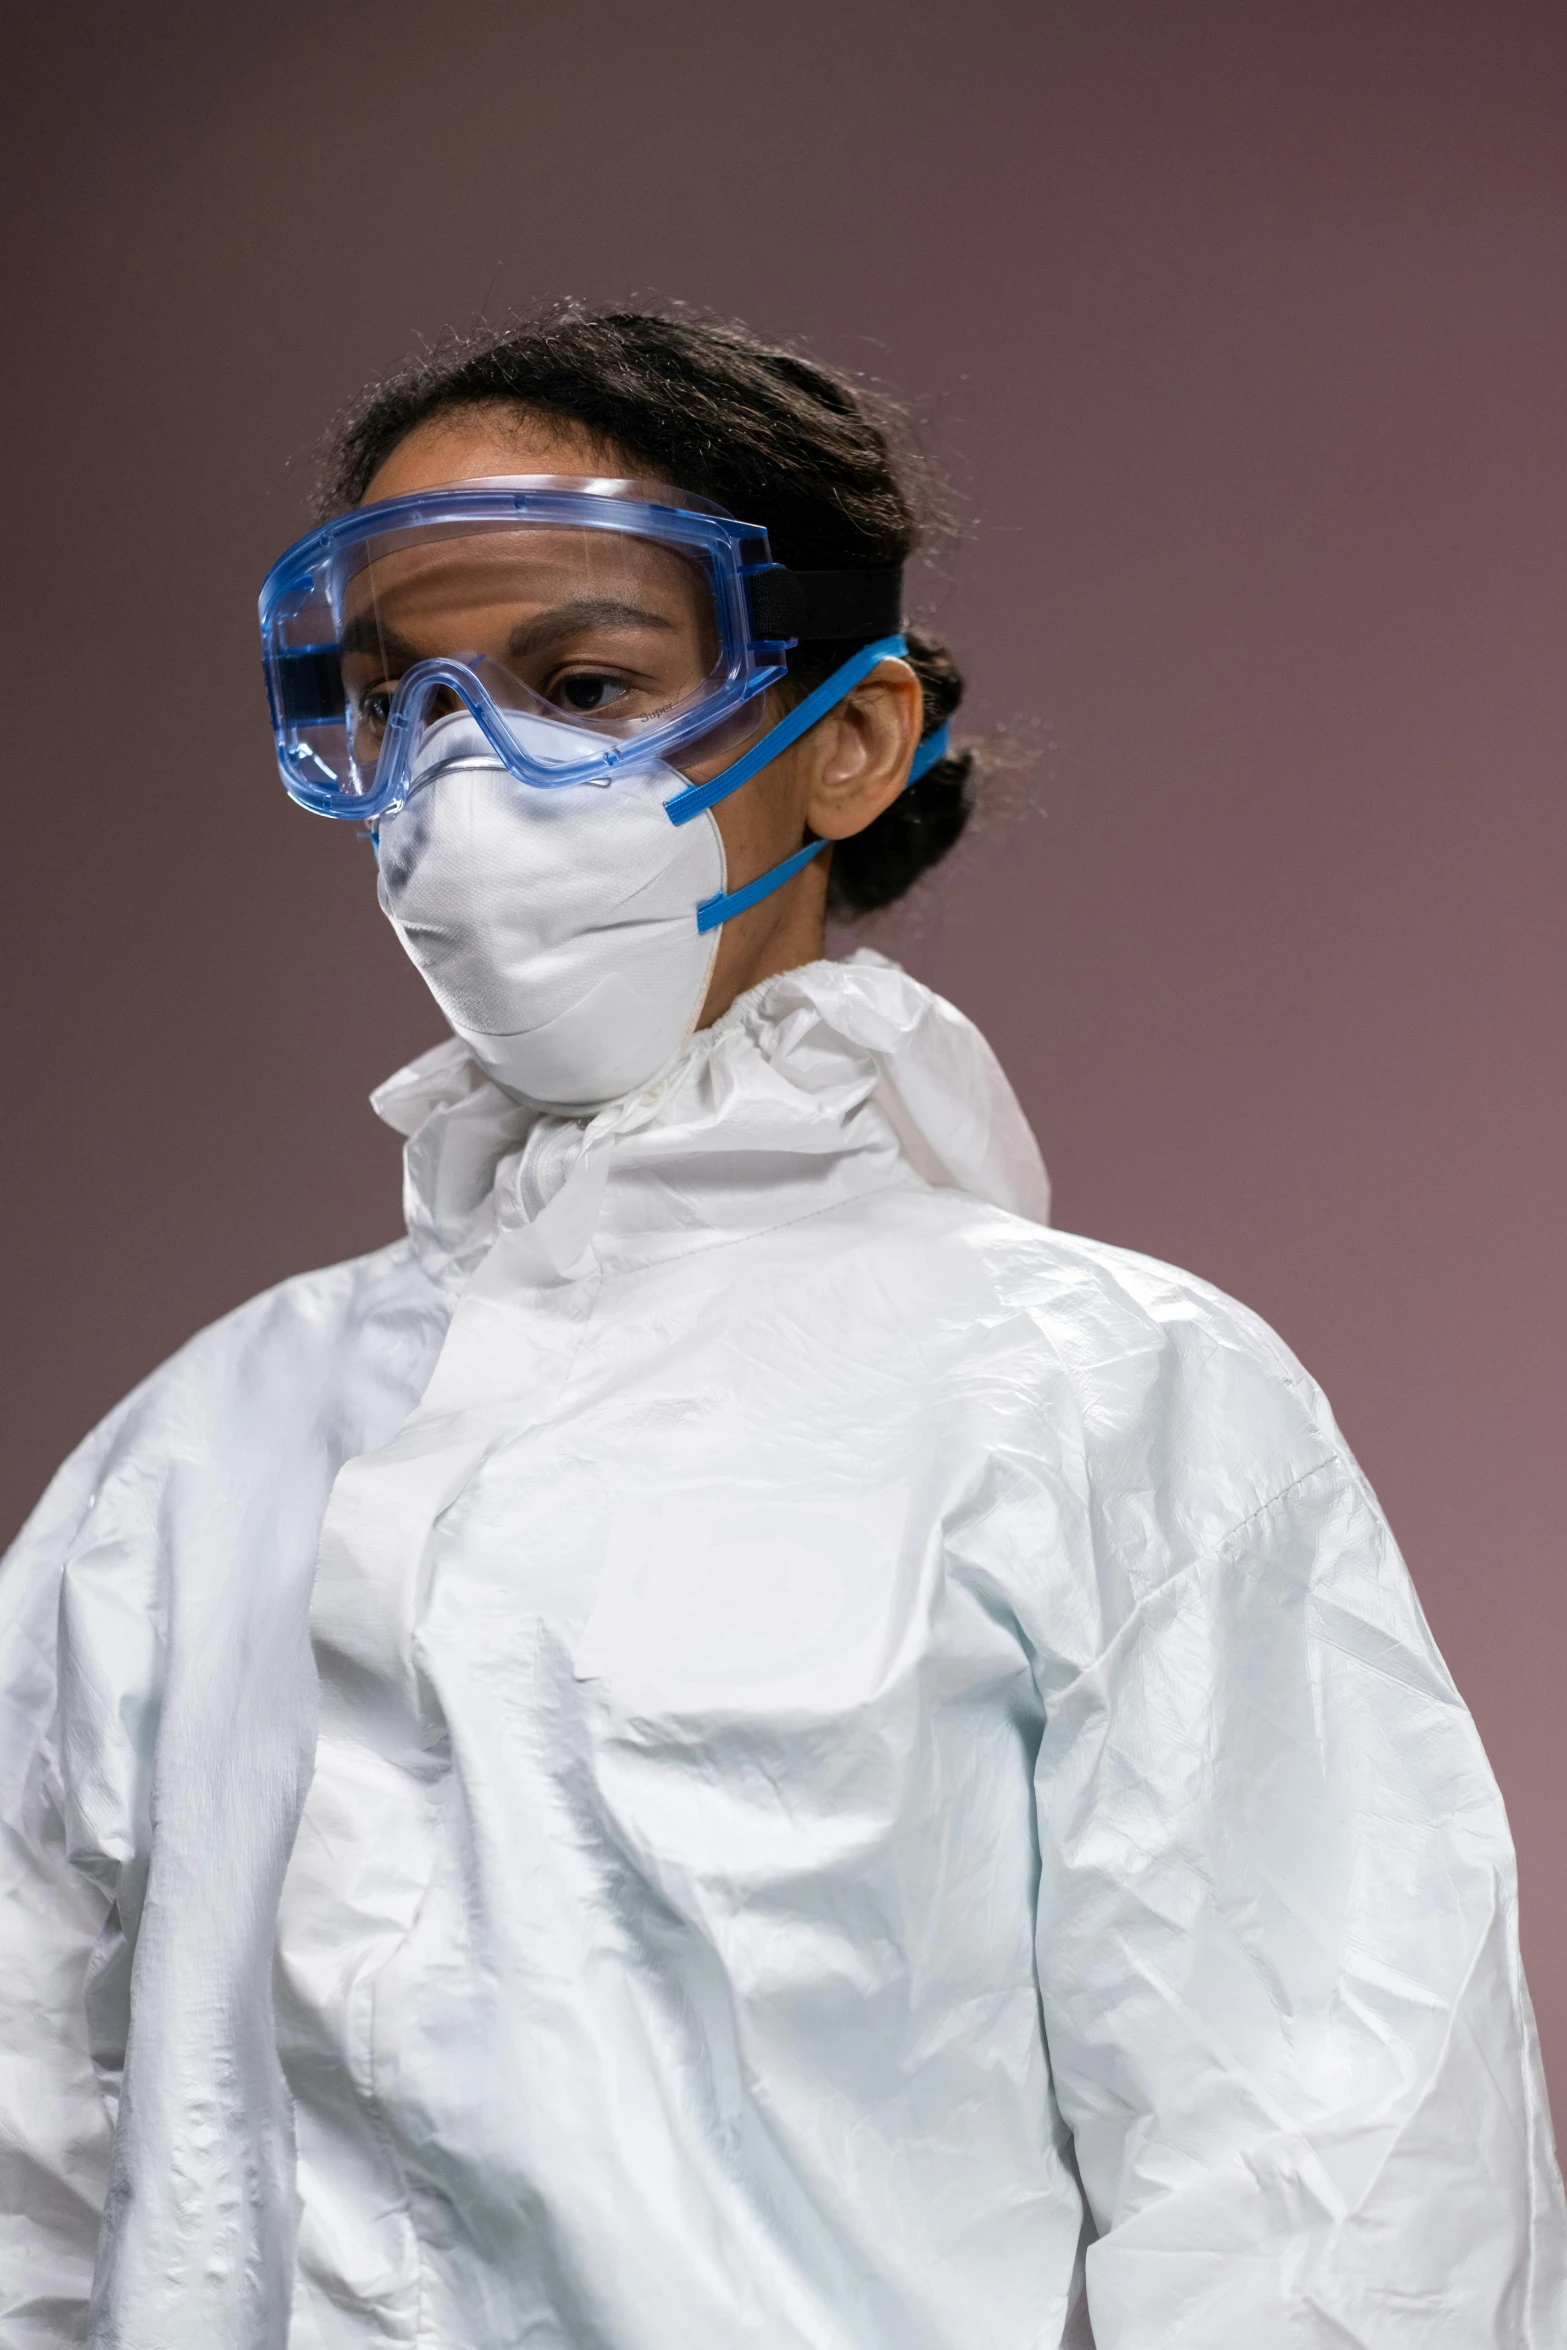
column 824, row 464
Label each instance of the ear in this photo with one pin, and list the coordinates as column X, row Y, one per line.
column 864, row 750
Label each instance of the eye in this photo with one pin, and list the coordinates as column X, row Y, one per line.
column 374, row 707
column 588, row 692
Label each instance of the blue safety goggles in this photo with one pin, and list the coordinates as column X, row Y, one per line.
column 636, row 624
column 633, row 628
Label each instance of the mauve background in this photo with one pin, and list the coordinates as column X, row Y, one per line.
column 1243, row 327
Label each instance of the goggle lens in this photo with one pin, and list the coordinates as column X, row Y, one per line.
column 605, row 631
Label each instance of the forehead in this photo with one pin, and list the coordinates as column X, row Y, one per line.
column 468, row 583
column 470, row 444
column 509, row 570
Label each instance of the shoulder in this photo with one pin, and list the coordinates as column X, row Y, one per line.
column 1087, row 1300
column 1100, row 1305
column 1162, row 1394
column 1153, row 1451
column 322, row 1341
column 292, row 1346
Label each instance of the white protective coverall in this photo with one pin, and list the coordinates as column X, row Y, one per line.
column 863, row 1744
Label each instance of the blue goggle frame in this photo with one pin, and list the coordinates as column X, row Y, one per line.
column 759, row 611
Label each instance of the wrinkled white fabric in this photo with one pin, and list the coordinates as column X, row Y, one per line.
column 864, row 1747
column 553, row 925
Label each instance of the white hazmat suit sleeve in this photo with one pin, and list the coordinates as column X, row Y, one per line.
column 56, row 2114
column 157, row 1719
column 1278, row 1919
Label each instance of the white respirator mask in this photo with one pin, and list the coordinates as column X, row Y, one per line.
column 556, row 929
column 568, row 933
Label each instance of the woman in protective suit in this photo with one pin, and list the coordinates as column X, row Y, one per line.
column 734, row 1742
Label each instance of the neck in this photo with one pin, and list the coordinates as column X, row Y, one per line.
column 783, row 932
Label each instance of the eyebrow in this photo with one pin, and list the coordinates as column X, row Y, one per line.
column 365, row 634
column 564, row 620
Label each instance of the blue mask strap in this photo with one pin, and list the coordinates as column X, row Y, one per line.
column 800, row 720
column 680, row 810
column 712, row 911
